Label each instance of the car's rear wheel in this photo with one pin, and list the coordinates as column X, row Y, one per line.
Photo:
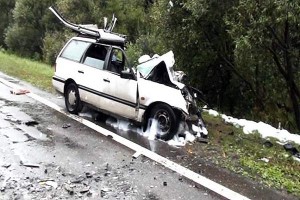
column 166, row 121
column 72, row 99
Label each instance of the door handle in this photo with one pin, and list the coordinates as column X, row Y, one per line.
column 106, row 80
column 81, row 72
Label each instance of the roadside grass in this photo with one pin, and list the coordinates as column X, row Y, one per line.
column 33, row 72
column 250, row 155
column 228, row 146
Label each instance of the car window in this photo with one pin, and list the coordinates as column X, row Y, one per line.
column 75, row 50
column 118, row 61
column 95, row 56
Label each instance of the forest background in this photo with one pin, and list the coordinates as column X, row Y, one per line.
column 244, row 55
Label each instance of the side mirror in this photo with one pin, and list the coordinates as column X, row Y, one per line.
column 127, row 75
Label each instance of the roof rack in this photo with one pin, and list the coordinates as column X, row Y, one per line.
column 101, row 35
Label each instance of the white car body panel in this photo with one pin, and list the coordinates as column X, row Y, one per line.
column 123, row 91
column 91, row 80
column 155, row 92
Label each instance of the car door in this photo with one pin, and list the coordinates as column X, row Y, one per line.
column 91, row 89
column 121, row 93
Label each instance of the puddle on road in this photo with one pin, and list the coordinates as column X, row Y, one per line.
column 22, row 123
column 14, row 135
column 133, row 133
column 2, row 103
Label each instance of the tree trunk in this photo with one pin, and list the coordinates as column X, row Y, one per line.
column 290, row 76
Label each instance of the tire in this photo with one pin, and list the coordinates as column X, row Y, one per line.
column 72, row 99
column 166, row 121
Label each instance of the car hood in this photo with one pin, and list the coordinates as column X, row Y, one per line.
column 148, row 64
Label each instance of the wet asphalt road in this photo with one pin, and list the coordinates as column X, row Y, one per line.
column 46, row 155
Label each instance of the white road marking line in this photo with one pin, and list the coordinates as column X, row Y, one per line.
column 205, row 182
column 136, row 155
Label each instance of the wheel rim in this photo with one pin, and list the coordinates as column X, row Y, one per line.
column 163, row 120
column 72, row 98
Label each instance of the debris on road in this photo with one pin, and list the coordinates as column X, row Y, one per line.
column 80, row 179
column 76, row 188
column 6, row 165
column 293, row 151
column 31, row 123
column 3, row 187
column 29, row 165
column 49, row 182
column 18, row 91
column 104, row 191
column 69, row 189
column 88, row 175
column 66, row 125
column 290, row 148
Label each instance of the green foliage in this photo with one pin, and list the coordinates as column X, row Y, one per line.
column 24, row 36
column 197, row 35
column 18, row 40
column 53, row 43
column 6, row 8
column 265, row 34
column 36, row 73
column 245, row 154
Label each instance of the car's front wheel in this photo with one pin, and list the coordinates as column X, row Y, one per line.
column 166, row 121
column 72, row 99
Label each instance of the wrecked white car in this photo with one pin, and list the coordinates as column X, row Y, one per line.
column 92, row 69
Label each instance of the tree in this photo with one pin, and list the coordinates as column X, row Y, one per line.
column 6, row 8
column 24, row 36
column 196, row 32
column 266, row 34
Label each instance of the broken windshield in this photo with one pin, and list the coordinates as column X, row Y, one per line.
column 146, row 67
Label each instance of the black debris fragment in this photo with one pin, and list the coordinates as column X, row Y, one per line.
column 84, row 190
column 293, row 151
column 97, row 179
column 165, row 183
column 297, row 155
column 290, row 148
column 6, row 165
column 202, row 140
column 88, row 175
column 31, row 123
column 268, row 144
column 78, row 180
column 104, row 191
column 69, row 189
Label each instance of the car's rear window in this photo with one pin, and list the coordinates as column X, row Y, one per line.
column 75, row 50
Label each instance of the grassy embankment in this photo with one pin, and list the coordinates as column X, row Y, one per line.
column 35, row 73
column 249, row 155
column 228, row 146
